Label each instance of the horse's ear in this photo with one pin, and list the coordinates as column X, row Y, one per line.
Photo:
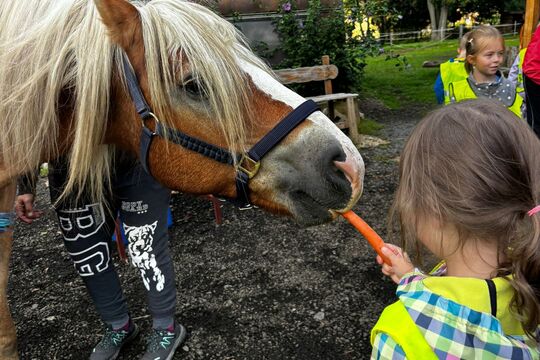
column 123, row 22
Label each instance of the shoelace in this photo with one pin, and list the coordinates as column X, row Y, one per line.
column 160, row 339
column 112, row 338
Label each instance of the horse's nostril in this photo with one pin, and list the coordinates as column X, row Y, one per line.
column 350, row 170
column 335, row 153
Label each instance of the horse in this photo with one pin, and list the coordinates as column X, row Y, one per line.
column 173, row 83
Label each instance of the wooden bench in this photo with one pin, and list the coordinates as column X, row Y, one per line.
column 326, row 72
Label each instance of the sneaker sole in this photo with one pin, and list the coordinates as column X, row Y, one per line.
column 180, row 339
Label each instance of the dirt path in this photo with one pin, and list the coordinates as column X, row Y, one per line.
column 256, row 287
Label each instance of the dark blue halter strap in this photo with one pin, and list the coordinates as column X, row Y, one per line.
column 194, row 144
column 282, row 129
column 135, row 91
column 244, row 172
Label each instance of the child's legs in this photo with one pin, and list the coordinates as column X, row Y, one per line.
column 87, row 229
column 144, row 205
column 532, row 93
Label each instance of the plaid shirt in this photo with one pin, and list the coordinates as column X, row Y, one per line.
column 452, row 330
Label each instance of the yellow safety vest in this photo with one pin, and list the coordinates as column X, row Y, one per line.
column 461, row 90
column 519, row 86
column 452, row 71
column 398, row 324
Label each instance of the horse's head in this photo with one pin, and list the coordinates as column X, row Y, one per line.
column 198, row 77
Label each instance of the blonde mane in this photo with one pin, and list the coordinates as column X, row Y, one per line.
column 54, row 47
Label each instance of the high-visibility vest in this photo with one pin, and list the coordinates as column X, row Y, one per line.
column 519, row 85
column 461, row 90
column 452, row 71
column 398, row 324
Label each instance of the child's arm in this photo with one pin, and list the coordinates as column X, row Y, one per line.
column 385, row 348
column 401, row 264
column 438, row 88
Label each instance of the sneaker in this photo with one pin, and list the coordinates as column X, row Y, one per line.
column 163, row 343
column 110, row 345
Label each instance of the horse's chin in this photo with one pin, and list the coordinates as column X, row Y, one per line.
column 307, row 211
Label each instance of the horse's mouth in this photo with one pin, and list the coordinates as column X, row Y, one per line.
column 309, row 210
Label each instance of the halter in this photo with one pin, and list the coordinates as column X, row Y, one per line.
column 246, row 165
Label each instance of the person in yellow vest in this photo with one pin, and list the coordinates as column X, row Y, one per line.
column 452, row 70
column 469, row 193
column 515, row 75
column 485, row 53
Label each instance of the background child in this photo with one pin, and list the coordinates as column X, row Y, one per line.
column 469, row 192
column 485, row 53
column 450, row 71
column 515, row 76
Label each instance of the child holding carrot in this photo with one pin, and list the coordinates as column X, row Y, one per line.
column 469, row 192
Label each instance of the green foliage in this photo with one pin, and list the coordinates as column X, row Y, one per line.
column 369, row 127
column 306, row 37
column 485, row 9
column 44, row 170
column 400, row 61
column 381, row 13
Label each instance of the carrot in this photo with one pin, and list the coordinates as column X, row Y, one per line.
column 371, row 236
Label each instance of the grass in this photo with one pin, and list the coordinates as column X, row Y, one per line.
column 369, row 127
column 397, row 85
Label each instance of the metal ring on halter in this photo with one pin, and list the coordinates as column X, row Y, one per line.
column 151, row 114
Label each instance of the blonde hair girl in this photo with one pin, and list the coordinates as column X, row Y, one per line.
column 484, row 56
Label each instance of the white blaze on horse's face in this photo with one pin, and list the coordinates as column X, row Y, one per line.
column 300, row 155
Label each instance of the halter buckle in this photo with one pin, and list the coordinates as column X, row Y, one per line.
column 248, row 166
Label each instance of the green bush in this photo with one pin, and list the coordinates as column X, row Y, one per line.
column 322, row 31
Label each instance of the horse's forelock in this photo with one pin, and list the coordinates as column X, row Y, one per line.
column 178, row 27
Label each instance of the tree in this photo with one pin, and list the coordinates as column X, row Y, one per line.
column 439, row 10
column 438, row 14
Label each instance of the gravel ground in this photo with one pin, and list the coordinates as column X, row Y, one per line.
column 256, row 287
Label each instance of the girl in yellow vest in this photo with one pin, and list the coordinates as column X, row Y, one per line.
column 469, row 192
column 450, row 71
column 485, row 53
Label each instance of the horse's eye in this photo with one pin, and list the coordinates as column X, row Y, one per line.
column 193, row 87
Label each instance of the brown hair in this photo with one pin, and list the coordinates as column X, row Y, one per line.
column 475, row 166
column 478, row 38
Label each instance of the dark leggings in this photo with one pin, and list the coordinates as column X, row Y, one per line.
column 532, row 96
column 87, row 229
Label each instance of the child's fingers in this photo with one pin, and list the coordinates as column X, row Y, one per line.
column 379, row 260
column 395, row 249
column 391, row 254
column 387, row 269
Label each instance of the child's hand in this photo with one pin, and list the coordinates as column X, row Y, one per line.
column 401, row 264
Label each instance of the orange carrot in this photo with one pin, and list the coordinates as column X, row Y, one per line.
column 371, row 236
